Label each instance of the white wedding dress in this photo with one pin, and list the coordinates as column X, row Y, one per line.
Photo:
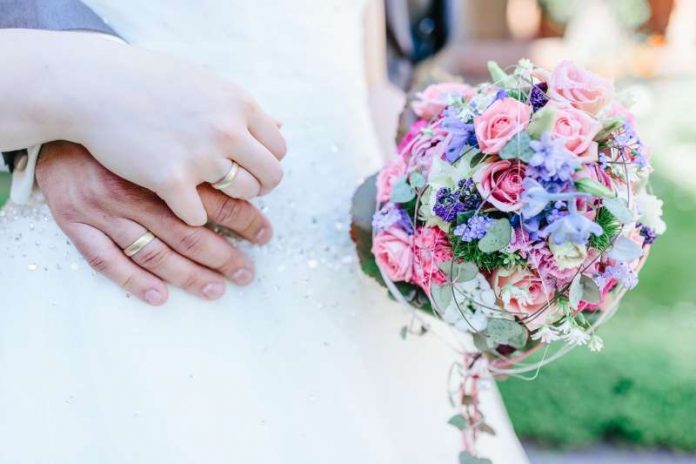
column 304, row 366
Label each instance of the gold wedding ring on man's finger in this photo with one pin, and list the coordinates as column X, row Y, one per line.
column 139, row 243
column 228, row 179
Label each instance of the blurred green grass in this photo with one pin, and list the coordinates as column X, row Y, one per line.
column 642, row 388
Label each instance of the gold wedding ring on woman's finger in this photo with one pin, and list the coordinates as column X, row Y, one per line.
column 139, row 243
column 228, row 179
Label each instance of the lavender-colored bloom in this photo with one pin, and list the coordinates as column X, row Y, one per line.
column 448, row 203
column 572, row 227
column 501, row 94
column 537, row 96
column 628, row 139
column 474, row 229
column 390, row 216
column 648, row 234
column 620, row 271
column 462, row 135
column 551, row 159
column 534, row 198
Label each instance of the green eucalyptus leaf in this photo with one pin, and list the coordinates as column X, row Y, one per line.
column 458, row 421
column 417, row 180
column 466, row 458
column 442, row 296
column 518, row 147
column 497, row 236
column 485, row 428
column 481, row 342
column 590, row 291
column 541, row 122
column 498, row 76
column 464, row 272
column 589, row 185
column 575, row 292
column 402, row 192
column 506, row 332
column 609, row 125
column 625, row 250
column 617, row 207
column 362, row 212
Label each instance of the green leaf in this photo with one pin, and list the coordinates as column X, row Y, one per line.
column 498, row 76
column 541, row 122
column 485, row 428
column 625, row 250
column 590, row 291
column 609, row 125
column 518, row 147
column 442, row 296
column 362, row 211
column 506, row 332
column 417, row 180
column 403, row 332
column 458, row 421
column 402, row 192
column 464, row 272
column 466, row 458
column 617, row 207
column 589, row 185
column 497, row 236
column 575, row 292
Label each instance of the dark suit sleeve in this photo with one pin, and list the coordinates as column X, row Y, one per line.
column 53, row 15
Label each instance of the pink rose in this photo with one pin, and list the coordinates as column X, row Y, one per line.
column 386, row 178
column 394, row 255
column 578, row 129
column 435, row 98
column 500, row 184
column 579, row 87
column 423, row 148
column 522, row 292
column 431, row 248
column 500, row 122
column 412, row 133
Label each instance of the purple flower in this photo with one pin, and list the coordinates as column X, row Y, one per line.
column 648, row 233
column 620, row 271
column 537, row 97
column 474, row 229
column 572, row 227
column 462, row 135
column 551, row 159
column 448, row 203
column 390, row 216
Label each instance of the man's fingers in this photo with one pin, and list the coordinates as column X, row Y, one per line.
column 266, row 130
column 258, row 160
column 239, row 216
column 167, row 264
column 106, row 258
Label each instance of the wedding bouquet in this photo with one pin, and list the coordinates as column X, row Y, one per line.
column 518, row 211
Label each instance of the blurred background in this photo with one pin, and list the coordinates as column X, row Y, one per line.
column 636, row 401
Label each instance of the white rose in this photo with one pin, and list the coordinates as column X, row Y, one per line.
column 568, row 255
column 650, row 212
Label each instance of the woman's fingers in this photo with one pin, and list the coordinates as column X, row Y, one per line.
column 106, row 258
column 182, row 198
column 242, row 185
column 266, row 130
column 165, row 263
column 239, row 216
column 258, row 161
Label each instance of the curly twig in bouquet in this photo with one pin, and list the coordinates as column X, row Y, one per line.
column 519, row 212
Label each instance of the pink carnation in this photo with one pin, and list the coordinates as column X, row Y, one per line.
column 435, row 98
column 405, row 145
column 500, row 122
column 431, row 248
column 394, row 254
column 581, row 88
column 388, row 176
column 500, row 184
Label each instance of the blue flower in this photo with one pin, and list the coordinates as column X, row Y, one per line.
column 390, row 216
column 572, row 227
column 537, row 96
column 534, row 198
column 448, row 203
column 474, row 229
column 551, row 159
column 463, row 135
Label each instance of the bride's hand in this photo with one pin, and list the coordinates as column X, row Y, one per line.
column 159, row 122
column 103, row 214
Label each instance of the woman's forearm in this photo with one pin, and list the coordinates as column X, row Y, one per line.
column 42, row 83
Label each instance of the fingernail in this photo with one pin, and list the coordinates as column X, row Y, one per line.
column 263, row 235
column 214, row 290
column 154, row 297
column 242, row 276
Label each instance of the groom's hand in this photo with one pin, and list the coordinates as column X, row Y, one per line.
column 103, row 214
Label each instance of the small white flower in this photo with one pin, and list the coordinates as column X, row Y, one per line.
column 596, row 343
column 650, row 212
column 577, row 337
column 546, row 334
